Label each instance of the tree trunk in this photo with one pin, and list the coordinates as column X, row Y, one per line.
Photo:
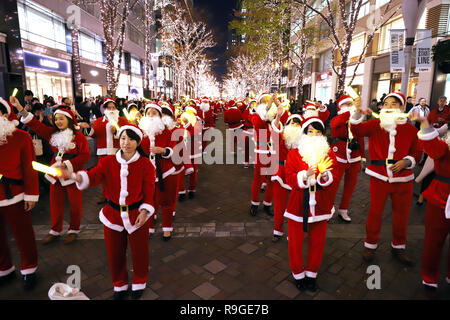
column 76, row 61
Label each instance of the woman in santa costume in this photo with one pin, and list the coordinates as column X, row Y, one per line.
column 310, row 203
column 129, row 180
column 158, row 145
column 283, row 138
column 349, row 154
column 104, row 130
column 19, row 192
column 394, row 152
column 71, row 152
column 437, row 221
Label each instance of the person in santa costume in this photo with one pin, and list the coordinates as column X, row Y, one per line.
column 283, row 138
column 311, row 109
column 437, row 221
column 158, row 145
column 104, row 130
column 394, row 152
column 71, row 152
column 350, row 152
column 310, row 203
column 232, row 116
column 206, row 114
column 193, row 140
column 248, row 130
column 129, row 179
column 19, row 193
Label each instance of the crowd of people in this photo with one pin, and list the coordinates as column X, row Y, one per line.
column 146, row 149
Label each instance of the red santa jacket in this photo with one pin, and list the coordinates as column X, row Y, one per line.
column 74, row 159
column 248, row 126
column 107, row 142
column 233, row 118
column 438, row 193
column 282, row 151
column 207, row 117
column 17, row 154
column 193, row 139
column 339, row 130
column 163, row 140
column 261, row 134
column 126, row 183
column 438, row 118
column 321, row 201
column 324, row 113
column 401, row 143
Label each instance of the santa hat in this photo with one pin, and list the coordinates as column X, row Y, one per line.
column 309, row 106
column 69, row 114
column 343, row 100
column 205, row 99
column 108, row 100
column 263, row 95
column 131, row 106
column 169, row 107
column 132, row 127
column 11, row 115
column 295, row 115
column 397, row 95
column 230, row 104
column 154, row 106
column 307, row 121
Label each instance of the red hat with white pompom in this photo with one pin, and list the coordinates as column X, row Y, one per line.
column 69, row 114
column 397, row 95
column 11, row 115
column 132, row 127
column 307, row 121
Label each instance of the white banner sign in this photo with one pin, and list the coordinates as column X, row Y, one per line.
column 397, row 52
column 423, row 51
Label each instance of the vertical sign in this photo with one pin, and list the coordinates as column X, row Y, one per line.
column 397, row 50
column 423, row 51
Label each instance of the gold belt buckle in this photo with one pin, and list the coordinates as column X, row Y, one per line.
column 387, row 162
column 124, row 208
column 60, row 154
column 314, row 188
column 152, row 157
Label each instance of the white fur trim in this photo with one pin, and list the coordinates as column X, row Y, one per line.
column 301, row 177
column 428, row 136
column 311, row 219
column 329, row 181
column 275, row 128
column 400, row 246
column 27, row 119
column 148, row 207
column 60, row 111
column 255, row 203
column 28, row 271
column 189, row 171
column 345, row 101
column 108, row 224
column 267, row 203
column 299, row 276
column 447, row 208
column 33, row 198
column 277, row 233
column 430, row 284
column 13, row 200
column 73, row 231
column 138, row 286
column 281, row 182
column 135, row 130
column 309, row 121
column 169, row 172
column 413, row 162
column 84, row 184
column 167, row 229
column 6, row 272
column 54, row 233
column 68, row 165
column 170, row 153
column 356, row 121
column 370, row 246
column 311, row 274
column 122, row 288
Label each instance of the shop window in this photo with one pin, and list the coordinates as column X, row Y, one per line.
column 357, row 47
column 380, row 3
column 135, row 66
column 325, row 61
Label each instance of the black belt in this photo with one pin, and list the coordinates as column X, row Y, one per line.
column 67, row 156
column 336, row 139
column 233, row 123
column 7, row 182
column 383, row 162
column 282, row 162
column 122, row 208
column 442, row 178
column 306, row 205
column 247, row 127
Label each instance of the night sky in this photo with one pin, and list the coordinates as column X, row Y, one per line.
column 216, row 14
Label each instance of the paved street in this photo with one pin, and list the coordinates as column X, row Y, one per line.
column 218, row 251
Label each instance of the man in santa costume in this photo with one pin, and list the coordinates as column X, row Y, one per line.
column 71, row 152
column 193, row 139
column 283, row 139
column 129, row 179
column 437, row 221
column 349, row 154
column 232, row 116
column 248, row 130
column 19, row 193
column 311, row 109
column 158, row 145
column 394, row 152
column 206, row 114
column 105, row 130
column 310, row 174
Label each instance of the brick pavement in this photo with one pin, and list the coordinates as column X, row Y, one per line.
column 219, row 251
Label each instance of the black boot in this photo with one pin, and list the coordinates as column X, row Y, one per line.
column 29, row 281
column 181, row 197
column 8, row 278
column 120, row 295
column 268, row 210
column 253, row 210
column 191, row 194
column 300, row 284
column 311, row 284
column 136, row 294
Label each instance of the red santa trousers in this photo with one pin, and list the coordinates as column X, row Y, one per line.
column 401, row 196
column 104, row 195
column 19, row 222
column 280, row 199
column 350, row 172
column 437, row 228
column 192, row 181
column 258, row 179
column 116, row 246
column 165, row 199
column 246, row 148
column 316, row 243
column 57, row 200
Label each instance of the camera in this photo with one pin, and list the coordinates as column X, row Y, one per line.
column 354, row 144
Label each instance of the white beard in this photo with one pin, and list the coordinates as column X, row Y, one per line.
column 204, row 106
column 114, row 115
column 6, row 129
column 271, row 114
column 261, row 110
column 313, row 149
column 291, row 136
column 310, row 113
column 387, row 122
column 151, row 126
column 168, row 122
column 63, row 140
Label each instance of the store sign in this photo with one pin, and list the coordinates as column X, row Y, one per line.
column 324, row 76
column 423, row 51
column 397, row 50
column 37, row 61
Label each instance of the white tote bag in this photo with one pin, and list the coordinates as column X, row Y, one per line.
column 62, row 291
column 38, row 146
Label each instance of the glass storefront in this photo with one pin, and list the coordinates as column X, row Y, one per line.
column 447, row 87
column 53, row 85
